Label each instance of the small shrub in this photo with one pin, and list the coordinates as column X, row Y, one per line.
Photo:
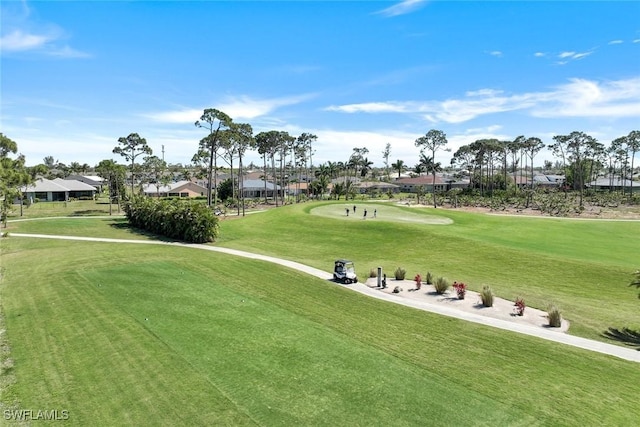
column 553, row 314
column 418, row 280
column 487, row 296
column 373, row 272
column 520, row 306
column 461, row 289
column 441, row 285
column 400, row 273
column 428, row 278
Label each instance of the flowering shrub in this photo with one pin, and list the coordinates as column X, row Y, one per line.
column 418, row 280
column 520, row 306
column 460, row 288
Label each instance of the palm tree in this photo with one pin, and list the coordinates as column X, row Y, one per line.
column 419, row 168
column 323, row 170
column 338, row 189
column 75, row 167
column 398, row 166
column 320, row 185
column 366, row 167
column 428, row 164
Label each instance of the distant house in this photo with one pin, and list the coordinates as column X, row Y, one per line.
column 255, row 188
column 547, row 181
column 614, row 184
column 426, row 182
column 175, row 189
column 378, row 186
column 77, row 189
column 296, row 188
column 93, row 180
column 58, row 190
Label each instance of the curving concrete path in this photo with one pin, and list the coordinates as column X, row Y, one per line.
column 584, row 343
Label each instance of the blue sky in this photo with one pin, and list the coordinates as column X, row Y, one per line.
column 76, row 76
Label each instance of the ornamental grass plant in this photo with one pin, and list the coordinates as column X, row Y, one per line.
column 441, row 285
column 554, row 316
column 487, row 296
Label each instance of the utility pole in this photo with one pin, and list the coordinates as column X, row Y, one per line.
column 163, row 152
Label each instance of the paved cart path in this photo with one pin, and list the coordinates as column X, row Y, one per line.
column 540, row 332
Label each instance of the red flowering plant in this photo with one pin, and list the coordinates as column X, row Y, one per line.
column 418, row 280
column 519, row 306
column 461, row 289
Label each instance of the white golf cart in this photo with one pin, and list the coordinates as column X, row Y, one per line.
column 344, row 271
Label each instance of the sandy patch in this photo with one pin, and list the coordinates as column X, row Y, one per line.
column 502, row 309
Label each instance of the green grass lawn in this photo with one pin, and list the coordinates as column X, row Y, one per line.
column 124, row 334
column 583, row 267
column 121, row 334
column 71, row 208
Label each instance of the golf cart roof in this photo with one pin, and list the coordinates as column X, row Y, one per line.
column 343, row 261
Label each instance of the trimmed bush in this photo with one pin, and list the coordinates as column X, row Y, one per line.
column 441, row 285
column 177, row 219
column 428, row 278
column 554, row 316
column 487, row 296
column 400, row 273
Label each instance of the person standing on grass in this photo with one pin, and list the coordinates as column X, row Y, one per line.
column 365, row 214
column 347, row 209
column 375, row 213
column 354, row 208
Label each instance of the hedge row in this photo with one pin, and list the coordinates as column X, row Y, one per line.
column 178, row 219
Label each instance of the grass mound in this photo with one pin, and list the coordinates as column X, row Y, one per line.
column 378, row 212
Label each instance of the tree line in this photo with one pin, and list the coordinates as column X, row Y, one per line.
column 491, row 164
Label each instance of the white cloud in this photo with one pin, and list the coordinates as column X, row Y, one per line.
column 375, row 107
column 539, row 54
column 177, row 116
column 587, row 98
column 66, row 52
column 402, row 8
column 21, row 33
column 495, row 53
column 577, row 98
column 462, row 110
column 238, row 108
column 483, row 92
column 636, row 41
column 491, row 129
column 18, row 40
column 581, row 55
column 245, row 107
column 616, row 42
column 571, row 56
column 334, row 144
column 566, row 54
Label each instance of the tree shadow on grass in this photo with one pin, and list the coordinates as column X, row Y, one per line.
column 89, row 212
column 123, row 224
column 625, row 335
